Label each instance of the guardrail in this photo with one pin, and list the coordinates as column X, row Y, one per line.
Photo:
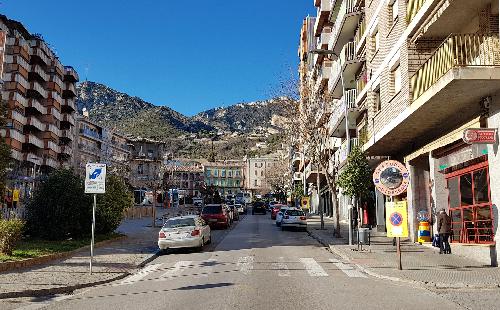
column 458, row 50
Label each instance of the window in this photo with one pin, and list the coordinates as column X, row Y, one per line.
column 207, row 173
column 223, row 173
column 237, row 173
column 140, row 169
column 230, row 173
column 256, row 173
column 376, row 38
column 393, row 9
column 396, row 77
column 470, row 205
column 150, row 153
column 255, row 182
column 377, row 102
column 216, row 172
column 262, row 173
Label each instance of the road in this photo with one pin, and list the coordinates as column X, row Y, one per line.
column 253, row 266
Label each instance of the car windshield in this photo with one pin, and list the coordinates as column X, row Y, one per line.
column 295, row 213
column 216, row 209
column 179, row 222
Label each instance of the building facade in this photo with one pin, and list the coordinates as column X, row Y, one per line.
column 147, row 163
column 186, row 176
column 97, row 144
column 227, row 176
column 258, row 172
column 406, row 79
column 40, row 94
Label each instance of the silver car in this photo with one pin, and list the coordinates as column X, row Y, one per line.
column 294, row 218
column 189, row 231
column 280, row 214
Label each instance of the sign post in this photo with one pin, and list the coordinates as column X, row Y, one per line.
column 392, row 178
column 95, row 183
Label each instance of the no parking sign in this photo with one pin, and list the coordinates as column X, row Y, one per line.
column 396, row 219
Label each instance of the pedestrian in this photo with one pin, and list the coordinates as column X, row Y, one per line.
column 444, row 230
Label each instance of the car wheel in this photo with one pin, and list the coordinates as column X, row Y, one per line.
column 163, row 251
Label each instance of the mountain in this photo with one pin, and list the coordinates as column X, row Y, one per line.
column 240, row 128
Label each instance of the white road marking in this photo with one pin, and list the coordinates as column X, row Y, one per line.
column 140, row 275
column 312, row 267
column 176, row 270
column 282, row 268
column 245, row 264
column 349, row 270
column 206, row 268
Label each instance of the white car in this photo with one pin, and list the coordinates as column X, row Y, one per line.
column 279, row 215
column 184, row 232
column 294, row 218
column 240, row 208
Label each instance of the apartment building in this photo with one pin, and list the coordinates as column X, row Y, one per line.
column 40, row 94
column 416, row 77
column 97, row 144
column 147, row 163
column 258, row 172
column 227, row 176
column 186, row 176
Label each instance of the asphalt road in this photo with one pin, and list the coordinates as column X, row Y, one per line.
column 253, row 266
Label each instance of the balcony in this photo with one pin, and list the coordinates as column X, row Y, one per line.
column 461, row 72
column 323, row 13
column 70, row 74
column 324, row 74
column 360, row 36
column 36, row 87
column 324, row 39
column 53, row 129
column 33, row 140
column 345, row 150
column 15, row 81
column 37, row 71
column 336, row 124
column 57, row 80
column 57, row 68
column 67, row 134
column 90, row 149
column 346, row 22
column 413, row 8
column 33, row 158
column 15, row 99
column 34, row 122
column 51, row 145
column 361, row 81
column 69, row 119
column 66, row 149
column 297, row 176
column 16, row 63
column 35, row 104
column 49, row 161
column 16, row 116
column 13, row 134
column 349, row 64
column 69, row 90
column 38, row 56
column 69, row 105
column 56, row 113
column 91, row 134
column 17, row 48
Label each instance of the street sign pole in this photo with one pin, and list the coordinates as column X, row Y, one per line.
column 93, row 229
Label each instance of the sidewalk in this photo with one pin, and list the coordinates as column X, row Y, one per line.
column 112, row 261
column 422, row 265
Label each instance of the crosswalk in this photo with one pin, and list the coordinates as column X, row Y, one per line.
column 246, row 265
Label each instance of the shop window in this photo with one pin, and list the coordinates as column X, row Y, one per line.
column 470, row 205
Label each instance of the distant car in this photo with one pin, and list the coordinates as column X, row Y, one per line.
column 241, row 208
column 274, row 211
column 258, row 207
column 198, row 202
column 236, row 214
column 271, row 205
column 184, row 232
column 294, row 218
column 216, row 216
column 280, row 214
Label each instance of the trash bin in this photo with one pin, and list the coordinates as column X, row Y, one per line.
column 363, row 235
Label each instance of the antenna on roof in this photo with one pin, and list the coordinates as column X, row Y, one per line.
column 87, row 73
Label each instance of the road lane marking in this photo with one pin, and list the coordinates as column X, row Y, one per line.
column 312, row 267
column 140, row 275
column 176, row 270
column 282, row 268
column 349, row 270
column 206, row 267
column 245, row 264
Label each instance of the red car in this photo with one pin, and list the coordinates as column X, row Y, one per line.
column 275, row 210
column 215, row 216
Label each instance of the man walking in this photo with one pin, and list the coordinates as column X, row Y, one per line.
column 444, row 230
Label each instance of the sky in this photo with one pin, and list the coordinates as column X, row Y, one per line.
column 190, row 55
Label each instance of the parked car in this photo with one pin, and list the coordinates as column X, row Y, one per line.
column 294, row 218
column 241, row 208
column 234, row 211
column 184, row 232
column 271, row 205
column 274, row 211
column 279, row 215
column 216, row 216
column 259, row 207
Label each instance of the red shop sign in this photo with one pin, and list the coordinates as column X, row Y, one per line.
column 480, row 135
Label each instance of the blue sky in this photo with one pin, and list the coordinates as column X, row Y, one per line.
column 190, row 55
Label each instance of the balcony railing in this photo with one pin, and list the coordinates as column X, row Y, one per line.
column 38, row 88
column 31, row 139
column 18, row 117
column 458, row 50
column 51, row 145
column 347, row 7
column 70, row 87
column 91, row 134
column 67, row 134
column 52, row 128
column 35, row 51
column 33, row 103
column 344, row 150
column 19, row 98
column 412, row 9
column 348, row 53
column 38, row 70
column 70, row 74
column 54, row 95
column 56, row 113
column 359, row 36
column 69, row 118
column 361, row 81
column 70, row 103
column 33, row 121
column 16, row 135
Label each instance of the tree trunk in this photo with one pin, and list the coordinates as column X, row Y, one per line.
column 333, row 190
column 318, row 185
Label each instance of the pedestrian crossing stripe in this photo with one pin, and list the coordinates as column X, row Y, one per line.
column 349, row 270
column 313, row 268
column 140, row 275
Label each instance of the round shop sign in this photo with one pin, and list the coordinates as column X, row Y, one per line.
column 391, row 178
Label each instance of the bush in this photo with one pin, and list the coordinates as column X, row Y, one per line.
column 110, row 206
column 10, row 233
column 60, row 209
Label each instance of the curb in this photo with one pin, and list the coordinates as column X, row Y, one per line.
column 26, row 263
column 422, row 284
column 71, row 288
